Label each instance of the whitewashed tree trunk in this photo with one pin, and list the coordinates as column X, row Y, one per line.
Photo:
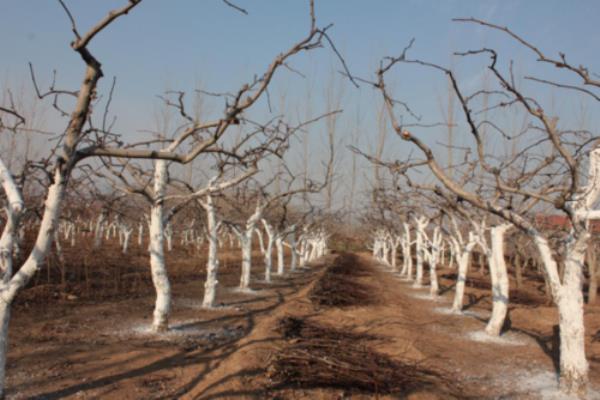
column 280, row 259
column 395, row 244
column 463, row 252
column 10, row 286
column 385, row 248
column 499, row 277
column 303, row 252
column 158, row 267
column 314, row 251
column 434, row 258
column 407, row 261
column 568, row 297
column 261, row 241
column 212, row 263
column 269, row 250
column 7, row 243
column 4, row 323
column 246, row 243
column 422, row 223
column 126, row 237
column 99, row 230
column 169, row 236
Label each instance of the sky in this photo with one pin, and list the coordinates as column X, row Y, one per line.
column 186, row 44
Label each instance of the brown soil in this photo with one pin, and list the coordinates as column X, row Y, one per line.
column 85, row 348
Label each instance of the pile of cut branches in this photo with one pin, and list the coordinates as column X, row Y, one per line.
column 338, row 286
column 298, row 328
column 324, row 357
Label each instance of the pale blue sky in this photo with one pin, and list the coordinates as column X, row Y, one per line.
column 179, row 44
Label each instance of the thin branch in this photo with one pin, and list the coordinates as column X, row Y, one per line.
column 235, row 7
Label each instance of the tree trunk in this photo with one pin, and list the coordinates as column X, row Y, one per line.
column 4, row 321
column 406, row 254
column 499, row 277
column 269, row 257
column 459, row 292
column 569, row 299
column 419, row 273
column 433, row 286
column 280, row 259
column 158, row 268
column 573, row 363
column 246, row 242
column 261, row 241
column 126, row 235
column 395, row 256
column 31, row 265
column 212, row 263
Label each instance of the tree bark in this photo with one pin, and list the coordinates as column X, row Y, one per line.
column 158, row 268
column 280, row 259
column 212, row 263
column 459, row 292
column 4, row 322
column 568, row 297
column 420, row 253
column 499, row 278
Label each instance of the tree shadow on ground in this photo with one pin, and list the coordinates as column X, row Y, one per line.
column 194, row 352
column 550, row 344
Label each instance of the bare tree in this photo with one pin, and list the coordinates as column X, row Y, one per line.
column 558, row 179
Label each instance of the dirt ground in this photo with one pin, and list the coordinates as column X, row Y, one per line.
column 87, row 348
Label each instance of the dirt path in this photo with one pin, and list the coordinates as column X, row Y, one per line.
column 518, row 365
column 412, row 328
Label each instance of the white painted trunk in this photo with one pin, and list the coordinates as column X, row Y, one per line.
column 573, row 363
column 420, row 252
column 246, row 242
column 261, row 241
column 280, row 259
column 4, row 321
column 269, row 258
column 385, row 251
column 158, row 268
column 12, row 285
column 313, row 251
column 212, row 264
column 434, row 286
column 302, row 251
column 407, row 254
column 459, row 292
column 126, row 236
column 98, row 231
column 500, row 283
